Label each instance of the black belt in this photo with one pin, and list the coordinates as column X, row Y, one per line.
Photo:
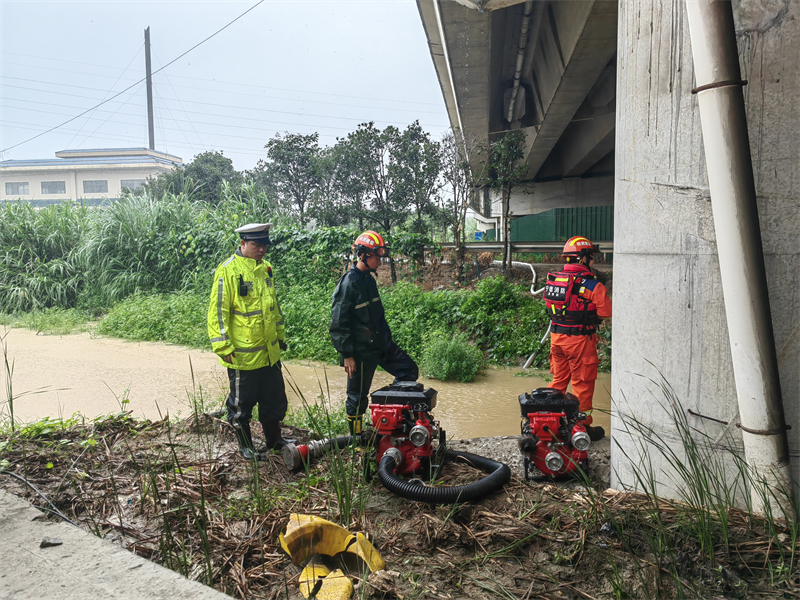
column 579, row 330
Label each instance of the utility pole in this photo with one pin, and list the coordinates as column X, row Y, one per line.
column 150, row 128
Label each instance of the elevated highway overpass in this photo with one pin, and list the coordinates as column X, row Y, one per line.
column 547, row 68
column 604, row 93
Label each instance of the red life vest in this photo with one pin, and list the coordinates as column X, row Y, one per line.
column 569, row 312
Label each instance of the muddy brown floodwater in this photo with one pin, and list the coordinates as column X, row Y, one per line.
column 57, row 376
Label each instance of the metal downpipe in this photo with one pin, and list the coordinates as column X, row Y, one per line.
column 741, row 257
column 523, row 40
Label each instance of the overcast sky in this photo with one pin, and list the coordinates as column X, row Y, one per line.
column 319, row 66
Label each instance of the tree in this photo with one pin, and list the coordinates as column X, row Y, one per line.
column 502, row 173
column 292, row 171
column 202, row 178
column 349, row 182
column 418, row 164
column 208, row 172
column 456, row 150
column 378, row 170
column 323, row 206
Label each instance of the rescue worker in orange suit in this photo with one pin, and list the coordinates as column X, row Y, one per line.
column 576, row 304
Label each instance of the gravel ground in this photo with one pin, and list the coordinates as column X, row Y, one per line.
column 504, row 449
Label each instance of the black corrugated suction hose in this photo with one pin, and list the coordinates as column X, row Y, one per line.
column 498, row 475
column 341, row 442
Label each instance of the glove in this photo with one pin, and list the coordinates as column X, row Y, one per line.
column 282, row 345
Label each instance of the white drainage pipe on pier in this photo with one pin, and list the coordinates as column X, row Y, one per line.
column 741, row 257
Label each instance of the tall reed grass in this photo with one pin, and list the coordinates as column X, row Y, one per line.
column 713, row 485
column 40, row 266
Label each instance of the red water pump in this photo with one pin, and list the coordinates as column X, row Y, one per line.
column 553, row 440
column 401, row 418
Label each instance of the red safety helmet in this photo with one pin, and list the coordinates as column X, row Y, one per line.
column 579, row 246
column 370, row 242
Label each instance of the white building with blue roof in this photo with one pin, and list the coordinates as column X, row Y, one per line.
column 96, row 176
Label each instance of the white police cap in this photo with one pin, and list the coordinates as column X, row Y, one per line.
column 255, row 232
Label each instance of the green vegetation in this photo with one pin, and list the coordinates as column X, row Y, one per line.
column 39, row 247
column 446, row 357
column 50, row 321
column 147, row 261
column 498, row 317
column 178, row 318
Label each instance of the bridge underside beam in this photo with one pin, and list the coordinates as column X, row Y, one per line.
column 555, row 59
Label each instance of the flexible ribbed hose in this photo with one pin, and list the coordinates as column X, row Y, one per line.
column 498, row 475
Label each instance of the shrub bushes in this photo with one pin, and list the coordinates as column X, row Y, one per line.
column 446, row 357
column 178, row 318
column 154, row 259
column 417, row 319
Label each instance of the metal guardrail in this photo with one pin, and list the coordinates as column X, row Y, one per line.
column 551, row 247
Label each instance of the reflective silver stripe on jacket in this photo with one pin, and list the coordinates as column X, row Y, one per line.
column 279, row 323
column 376, row 299
column 219, row 308
column 362, row 305
column 254, row 313
column 250, row 350
column 275, row 342
column 229, row 261
column 219, row 339
column 236, row 406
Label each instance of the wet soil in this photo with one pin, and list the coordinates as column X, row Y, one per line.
column 177, row 493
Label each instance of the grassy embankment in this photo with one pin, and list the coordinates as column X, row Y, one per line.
column 146, row 265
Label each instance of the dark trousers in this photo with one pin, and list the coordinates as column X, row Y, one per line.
column 396, row 361
column 263, row 387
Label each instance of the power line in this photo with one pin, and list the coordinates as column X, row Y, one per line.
column 247, row 119
column 169, row 81
column 326, row 94
column 138, row 82
column 33, row 127
column 268, row 110
column 107, row 93
column 224, row 135
column 261, row 96
column 101, row 124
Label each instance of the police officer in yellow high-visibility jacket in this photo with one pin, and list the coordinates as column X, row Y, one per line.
column 247, row 331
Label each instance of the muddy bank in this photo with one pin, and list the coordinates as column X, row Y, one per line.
column 177, row 493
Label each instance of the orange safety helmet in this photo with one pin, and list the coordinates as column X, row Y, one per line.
column 579, row 246
column 370, row 242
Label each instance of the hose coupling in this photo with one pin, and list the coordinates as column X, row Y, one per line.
column 581, row 441
column 419, row 435
column 396, row 454
column 527, row 443
column 554, row 461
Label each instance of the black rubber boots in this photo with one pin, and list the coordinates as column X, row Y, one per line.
column 245, row 440
column 272, row 435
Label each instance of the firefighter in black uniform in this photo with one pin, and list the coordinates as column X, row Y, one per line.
column 359, row 330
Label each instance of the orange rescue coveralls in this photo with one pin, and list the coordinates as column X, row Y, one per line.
column 574, row 357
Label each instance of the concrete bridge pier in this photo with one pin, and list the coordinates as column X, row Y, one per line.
column 669, row 313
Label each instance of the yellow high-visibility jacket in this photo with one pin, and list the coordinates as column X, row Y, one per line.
column 251, row 324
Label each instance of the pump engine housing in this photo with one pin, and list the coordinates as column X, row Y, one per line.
column 553, row 440
column 401, row 417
